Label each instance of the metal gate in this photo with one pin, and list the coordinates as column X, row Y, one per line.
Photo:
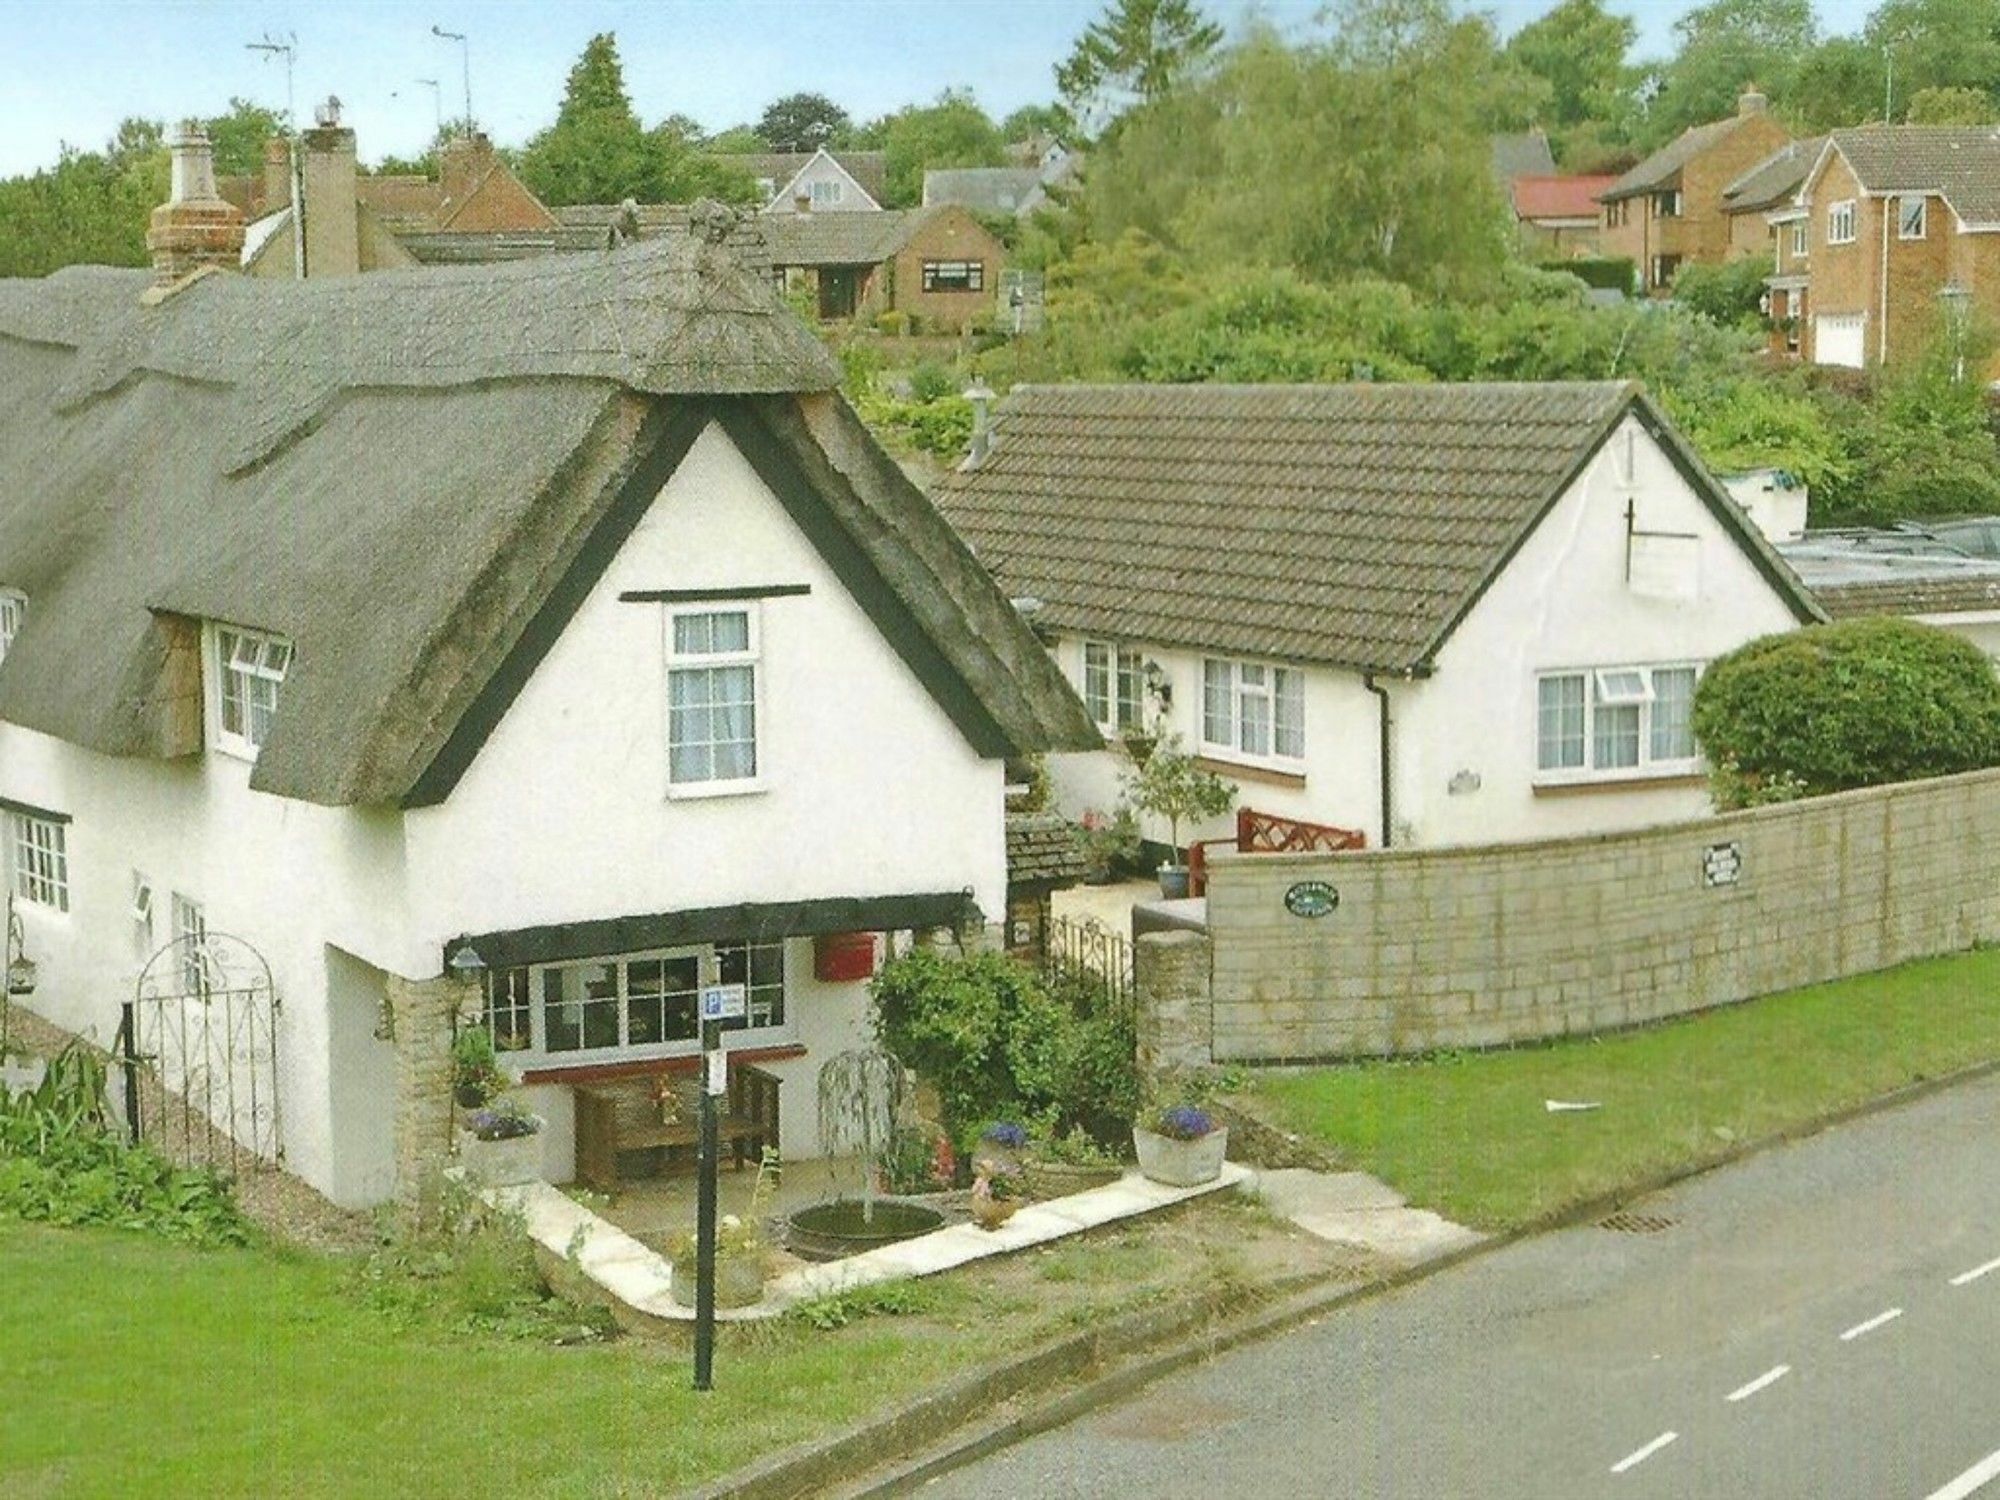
column 198, row 1049
column 1091, row 955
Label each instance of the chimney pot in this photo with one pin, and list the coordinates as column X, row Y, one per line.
column 194, row 227
column 981, row 397
column 1752, row 101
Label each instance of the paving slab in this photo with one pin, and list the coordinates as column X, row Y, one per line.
column 627, row 1270
column 1353, row 1208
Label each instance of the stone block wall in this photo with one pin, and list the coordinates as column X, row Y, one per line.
column 423, row 1012
column 1473, row 947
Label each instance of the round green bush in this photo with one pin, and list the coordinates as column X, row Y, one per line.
column 1852, row 704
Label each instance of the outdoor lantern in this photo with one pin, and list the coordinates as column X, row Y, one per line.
column 20, row 967
column 465, row 962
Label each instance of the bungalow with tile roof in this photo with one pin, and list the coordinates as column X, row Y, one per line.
column 1558, row 216
column 543, row 641
column 1435, row 614
column 1668, row 211
column 1898, row 230
column 822, row 181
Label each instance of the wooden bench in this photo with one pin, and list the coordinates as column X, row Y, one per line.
column 625, row 1114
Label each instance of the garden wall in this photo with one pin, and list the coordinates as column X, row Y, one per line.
column 1473, row 947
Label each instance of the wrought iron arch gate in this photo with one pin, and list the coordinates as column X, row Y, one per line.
column 198, row 1049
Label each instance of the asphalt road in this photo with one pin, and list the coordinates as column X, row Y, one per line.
column 1822, row 1321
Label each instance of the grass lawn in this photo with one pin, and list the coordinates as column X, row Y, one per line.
column 137, row 1367
column 1467, row 1133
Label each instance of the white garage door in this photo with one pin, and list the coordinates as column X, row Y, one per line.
column 1840, row 339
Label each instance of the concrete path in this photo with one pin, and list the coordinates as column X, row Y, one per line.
column 1820, row 1321
column 1352, row 1208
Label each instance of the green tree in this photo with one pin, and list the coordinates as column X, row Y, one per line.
column 1853, row 704
column 1838, row 83
column 237, row 137
column 91, row 208
column 597, row 151
column 1944, row 104
column 953, row 131
column 1137, row 51
column 803, row 122
column 1723, row 46
column 1579, row 50
column 1031, row 120
column 1938, row 44
column 737, row 140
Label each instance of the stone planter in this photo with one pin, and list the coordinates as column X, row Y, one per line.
column 1058, row 1179
column 739, row 1281
column 1181, row 1163
column 508, row 1163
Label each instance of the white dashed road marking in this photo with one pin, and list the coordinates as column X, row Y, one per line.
column 1971, row 1481
column 1975, row 1273
column 1871, row 1325
column 1769, row 1377
column 1633, row 1460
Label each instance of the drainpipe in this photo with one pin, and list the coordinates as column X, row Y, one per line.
column 1882, row 341
column 1382, row 698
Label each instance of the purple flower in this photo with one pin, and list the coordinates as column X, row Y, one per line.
column 1005, row 1133
column 1184, row 1122
column 504, row 1124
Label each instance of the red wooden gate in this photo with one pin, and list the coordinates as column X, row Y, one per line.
column 1266, row 833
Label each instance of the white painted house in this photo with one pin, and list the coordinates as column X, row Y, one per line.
column 555, row 614
column 1432, row 614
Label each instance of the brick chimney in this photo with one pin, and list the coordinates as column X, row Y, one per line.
column 277, row 174
column 333, row 222
column 194, row 227
column 463, row 162
column 1752, row 101
column 802, row 203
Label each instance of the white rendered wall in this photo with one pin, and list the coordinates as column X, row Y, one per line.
column 563, row 816
column 1564, row 602
column 1341, row 786
column 287, row 877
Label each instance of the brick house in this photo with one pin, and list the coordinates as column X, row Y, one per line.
column 1896, row 231
column 1557, row 216
column 1670, row 210
column 939, row 265
column 1765, row 218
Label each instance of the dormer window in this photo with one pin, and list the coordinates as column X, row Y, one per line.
column 245, row 670
column 13, row 612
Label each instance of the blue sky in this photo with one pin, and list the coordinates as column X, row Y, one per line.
column 70, row 71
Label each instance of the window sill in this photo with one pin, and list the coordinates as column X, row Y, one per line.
column 695, row 791
column 648, row 1067
column 1250, row 770
column 1649, row 783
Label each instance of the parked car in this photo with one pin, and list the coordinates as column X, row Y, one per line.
column 1976, row 536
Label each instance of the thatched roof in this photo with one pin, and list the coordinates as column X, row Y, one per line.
column 408, row 474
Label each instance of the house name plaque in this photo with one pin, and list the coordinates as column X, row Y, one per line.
column 1311, row 898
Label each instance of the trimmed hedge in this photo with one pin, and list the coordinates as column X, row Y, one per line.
column 1611, row 273
column 1852, row 704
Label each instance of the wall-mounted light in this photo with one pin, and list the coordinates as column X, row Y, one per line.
column 464, row 960
column 20, row 967
column 1159, row 686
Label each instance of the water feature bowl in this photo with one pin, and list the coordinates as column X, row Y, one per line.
column 840, row 1227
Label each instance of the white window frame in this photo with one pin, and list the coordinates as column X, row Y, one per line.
column 1801, row 239
column 822, row 191
column 13, row 615
column 1668, row 204
column 1252, row 684
column 1922, row 203
column 233, row 675
column 1840, row 222
column 1117, row 698
column 751, row 657
column 537, row 1053
column 190, row 921
column 38, row 859
column 1624, row 686
column 144, row 914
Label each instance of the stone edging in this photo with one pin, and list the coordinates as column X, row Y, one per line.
column 816, row 1467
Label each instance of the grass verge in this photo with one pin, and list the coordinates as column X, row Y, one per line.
column 264, row 1372
column 1468, row 1134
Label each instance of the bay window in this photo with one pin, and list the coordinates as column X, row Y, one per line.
column 1615, row 720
